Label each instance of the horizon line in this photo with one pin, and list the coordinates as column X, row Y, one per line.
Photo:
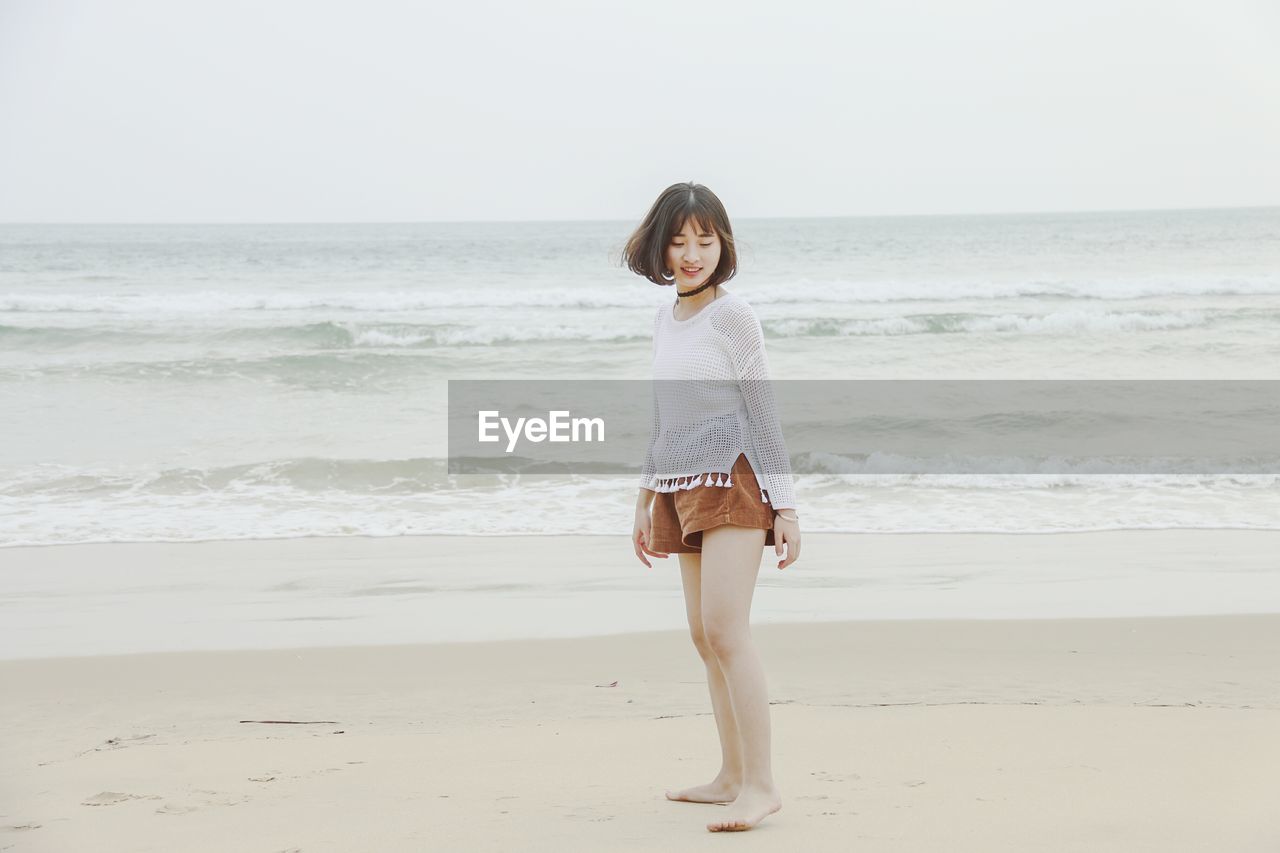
column 611, row 219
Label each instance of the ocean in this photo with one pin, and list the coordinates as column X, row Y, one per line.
column 194, row 382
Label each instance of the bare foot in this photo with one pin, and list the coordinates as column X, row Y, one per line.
column 715, row 791
column 752, row 806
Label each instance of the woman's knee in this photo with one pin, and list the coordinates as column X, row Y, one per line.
column 704, row 648
column 722, row 639
column 699, row 637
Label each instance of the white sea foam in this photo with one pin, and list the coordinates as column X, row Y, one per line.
column 799, row 292
column 271, row 377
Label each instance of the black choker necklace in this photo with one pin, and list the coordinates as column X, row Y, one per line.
column 680, row 293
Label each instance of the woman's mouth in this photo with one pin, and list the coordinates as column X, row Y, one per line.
column 689, row 271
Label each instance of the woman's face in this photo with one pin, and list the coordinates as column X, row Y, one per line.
column 693, row 256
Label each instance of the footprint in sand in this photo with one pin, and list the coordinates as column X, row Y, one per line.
column 217, row 798
column 174, row 808
column 318, row 772
column 120, row 742
column 111, row 798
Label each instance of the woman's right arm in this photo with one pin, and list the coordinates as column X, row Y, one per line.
column 643, row 532
column 649, row 470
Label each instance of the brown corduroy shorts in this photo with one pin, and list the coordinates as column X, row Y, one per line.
column 679, row 517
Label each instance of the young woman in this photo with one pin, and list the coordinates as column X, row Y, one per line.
column 717, row 476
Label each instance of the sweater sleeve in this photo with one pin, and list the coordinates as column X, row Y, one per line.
column 648, row 471
column 744, row 340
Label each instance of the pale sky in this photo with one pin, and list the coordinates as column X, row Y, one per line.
column 230, row 111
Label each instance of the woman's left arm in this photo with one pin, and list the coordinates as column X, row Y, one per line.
column 744, row 339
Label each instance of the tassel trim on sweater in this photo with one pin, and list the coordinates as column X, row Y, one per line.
column 713, row 478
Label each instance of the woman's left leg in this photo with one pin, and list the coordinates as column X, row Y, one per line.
column 731, row 557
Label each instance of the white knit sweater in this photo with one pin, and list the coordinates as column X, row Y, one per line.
column 711, row 401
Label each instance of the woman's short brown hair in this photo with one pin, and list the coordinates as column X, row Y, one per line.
column 646, row 250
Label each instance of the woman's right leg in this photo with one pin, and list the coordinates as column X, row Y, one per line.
column 724, row 788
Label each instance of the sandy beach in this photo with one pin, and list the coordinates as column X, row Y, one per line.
column 1114, row 734
column 337, row 343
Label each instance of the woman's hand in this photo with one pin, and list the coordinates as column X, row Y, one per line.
column 642, row 535
column 786, row 531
